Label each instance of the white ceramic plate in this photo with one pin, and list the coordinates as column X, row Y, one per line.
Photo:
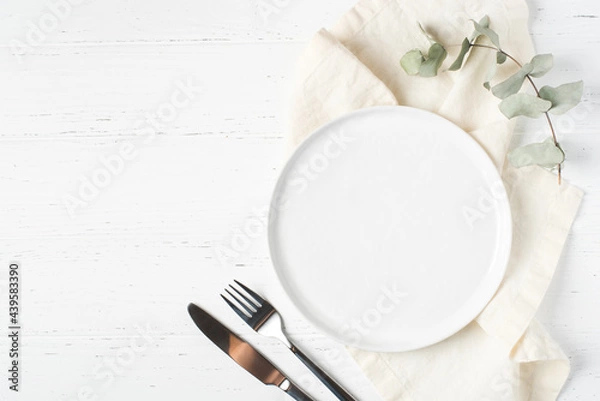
column 390, row 229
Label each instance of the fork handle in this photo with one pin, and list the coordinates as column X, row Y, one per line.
column 329, row 382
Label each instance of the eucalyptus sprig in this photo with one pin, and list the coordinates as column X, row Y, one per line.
column 547, row 100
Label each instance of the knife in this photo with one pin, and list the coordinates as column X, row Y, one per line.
column 244, row 354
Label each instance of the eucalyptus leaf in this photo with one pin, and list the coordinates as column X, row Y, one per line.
column 542, row 63
column 500, row 58
column 428, row 36
column 545, row 154
column 435, row 57
column 513, row 84
column 484, row 22
column 522, row 104
column 486, row 31
column 490, row 75
column 564, row 97
column 466, row 45
column 411, row 61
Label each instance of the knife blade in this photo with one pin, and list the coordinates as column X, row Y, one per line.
column 244, row 354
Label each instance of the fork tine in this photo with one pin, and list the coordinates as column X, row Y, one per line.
column 252, row 302
column 235, row 308
column 242, row 304
column 249, row 291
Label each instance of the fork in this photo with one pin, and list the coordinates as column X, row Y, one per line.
column 257, row 311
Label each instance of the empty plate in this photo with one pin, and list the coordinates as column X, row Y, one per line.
column 390, row 229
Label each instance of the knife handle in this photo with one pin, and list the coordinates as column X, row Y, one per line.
column 297, row 394
column 331, row 384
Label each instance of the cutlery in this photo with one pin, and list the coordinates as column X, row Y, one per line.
column 244, row 354
column 257, row 311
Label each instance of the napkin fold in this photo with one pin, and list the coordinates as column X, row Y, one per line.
column 505, row 354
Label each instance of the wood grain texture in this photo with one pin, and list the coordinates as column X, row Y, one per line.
column 148, row 243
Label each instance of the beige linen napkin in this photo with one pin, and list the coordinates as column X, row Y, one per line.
column 505, row 354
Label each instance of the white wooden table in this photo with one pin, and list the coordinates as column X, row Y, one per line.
column 135, row 253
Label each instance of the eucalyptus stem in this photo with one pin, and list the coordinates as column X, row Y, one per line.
column 537, row 92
